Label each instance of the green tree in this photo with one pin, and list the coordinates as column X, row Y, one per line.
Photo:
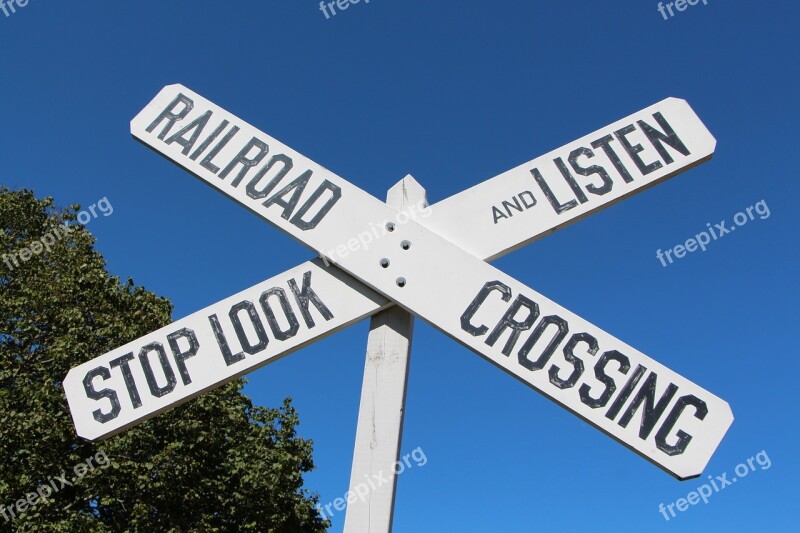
column 217, row 463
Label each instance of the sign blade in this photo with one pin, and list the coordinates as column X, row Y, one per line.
column 446, row 218
column 213, row 346
column 594, row 172
column 413, row 267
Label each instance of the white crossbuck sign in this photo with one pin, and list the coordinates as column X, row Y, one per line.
column 373, row 257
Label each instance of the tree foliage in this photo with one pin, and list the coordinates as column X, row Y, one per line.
column 217, row 463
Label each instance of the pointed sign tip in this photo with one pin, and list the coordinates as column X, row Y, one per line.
column 407, row 190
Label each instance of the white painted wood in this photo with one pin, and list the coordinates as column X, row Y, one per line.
column 380, row 415
column 511, row 210
column 465, row 218
column 442, row 283
column 458, row 217
column 347, row 301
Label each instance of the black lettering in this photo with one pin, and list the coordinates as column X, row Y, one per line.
column 626, row 392
column 180, row 355
column 532, row 199
column 605, row 144
column 605, row 379
column 298, row 186
column 207, row 162
column 108, row 394
column 517, row 327
column 171, row 116
column 570, row 180
column 197, row 125
column 569, row 356
column 307, row 295
column 667, row 136
column 588, row 171
column 647, row 396
column 497, row 214
column 633, row 151
column 700, row 412
column 124, row 363
column 547, row 353
column 230, row 358
column 246, row 162
column 157, row 391
column 241, row 334
column 205, row 144
column 336, row 193
column 489, row 286
column 286, row 166
column 508, row 205
column 559, row 207
column 287, row 311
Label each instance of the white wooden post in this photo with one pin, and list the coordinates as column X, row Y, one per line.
column 383, row 395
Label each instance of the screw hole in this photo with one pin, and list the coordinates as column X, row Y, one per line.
column 384, row 263
column 390, row 226
column 401, row 282
column 405, row 245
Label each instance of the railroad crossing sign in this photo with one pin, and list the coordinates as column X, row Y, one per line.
column 431, row 262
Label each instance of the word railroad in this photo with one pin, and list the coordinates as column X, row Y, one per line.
column 445, row 281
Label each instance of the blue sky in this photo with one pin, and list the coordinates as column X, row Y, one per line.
column 455, row 93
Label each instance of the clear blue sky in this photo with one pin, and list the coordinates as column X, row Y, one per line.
column 456, row 92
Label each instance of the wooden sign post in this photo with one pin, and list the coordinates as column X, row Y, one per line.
column 389, row 262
